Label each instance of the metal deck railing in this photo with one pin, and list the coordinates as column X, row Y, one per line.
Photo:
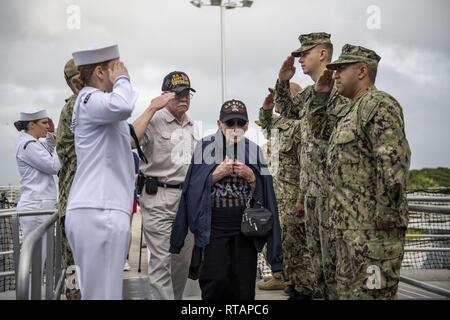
column 29, row 257
column 427, row 244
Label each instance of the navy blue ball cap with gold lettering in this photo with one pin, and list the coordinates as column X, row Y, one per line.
column 233, row 109
column 176, row 81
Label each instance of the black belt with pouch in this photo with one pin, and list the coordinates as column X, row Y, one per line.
column 151, row 184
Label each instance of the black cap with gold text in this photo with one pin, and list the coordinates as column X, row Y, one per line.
column 176, row 81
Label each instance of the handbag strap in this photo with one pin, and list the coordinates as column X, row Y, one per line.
column 249, row 205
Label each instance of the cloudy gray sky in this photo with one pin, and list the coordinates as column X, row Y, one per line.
column 157, row 37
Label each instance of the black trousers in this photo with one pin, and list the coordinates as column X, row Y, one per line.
column 228, row 270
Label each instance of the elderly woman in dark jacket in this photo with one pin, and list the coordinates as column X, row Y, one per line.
column 226, row 173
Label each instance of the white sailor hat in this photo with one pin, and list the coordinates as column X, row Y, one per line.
column 33, row 114
column 85, row 57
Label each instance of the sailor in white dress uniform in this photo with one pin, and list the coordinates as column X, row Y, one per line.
column 37, row 162
column 101, row 197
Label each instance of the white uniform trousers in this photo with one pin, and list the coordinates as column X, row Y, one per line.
column 167, row 272
column 30, row 223
column 99, row 241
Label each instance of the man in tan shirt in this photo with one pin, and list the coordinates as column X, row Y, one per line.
column 168, row 144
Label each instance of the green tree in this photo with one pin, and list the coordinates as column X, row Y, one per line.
column 429, row 178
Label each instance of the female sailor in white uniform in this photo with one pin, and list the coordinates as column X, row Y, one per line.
column 101, row 196
column 38, row 163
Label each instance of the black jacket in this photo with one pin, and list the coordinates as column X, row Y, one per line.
column 195, row 204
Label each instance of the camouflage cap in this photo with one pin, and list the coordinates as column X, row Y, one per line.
column 310, row 40
column 353, row 54
column 70, row 69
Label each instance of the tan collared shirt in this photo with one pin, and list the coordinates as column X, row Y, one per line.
column 168, row 146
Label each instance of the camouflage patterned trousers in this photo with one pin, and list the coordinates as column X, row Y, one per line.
column 297, row 261
column 264, row 269
column 72, row 290
column 368, row 263
column 320, row 239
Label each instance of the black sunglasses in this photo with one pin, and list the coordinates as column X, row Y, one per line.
column 233, row 122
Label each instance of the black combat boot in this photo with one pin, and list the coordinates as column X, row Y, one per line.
column 302, row 296
column 293, row 294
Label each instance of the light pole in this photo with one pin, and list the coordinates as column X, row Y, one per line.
column 223, row 5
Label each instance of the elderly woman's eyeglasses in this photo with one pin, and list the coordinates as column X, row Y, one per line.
column 234, row 122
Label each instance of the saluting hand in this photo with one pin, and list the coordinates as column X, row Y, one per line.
column 51, row 125
column 161, row 101
column 116, row 70
column 287, row 70
column 325, row 81
column 51, row 130
column 268, row 103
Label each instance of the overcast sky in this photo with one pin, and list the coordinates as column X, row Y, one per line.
column 157, row 37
